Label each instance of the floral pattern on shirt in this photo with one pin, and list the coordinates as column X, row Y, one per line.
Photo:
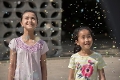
column 86, row 70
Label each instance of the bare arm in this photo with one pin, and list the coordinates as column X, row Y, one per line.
column 43, row 67
column 101, row 74
column 71, row 74
column 12, row 65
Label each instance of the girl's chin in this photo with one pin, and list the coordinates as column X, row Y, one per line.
column 87, row 48
column 30, row 29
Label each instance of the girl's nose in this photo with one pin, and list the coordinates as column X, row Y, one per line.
column 86, row 39
column 30, row 20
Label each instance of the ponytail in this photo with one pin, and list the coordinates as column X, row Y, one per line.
column 77, row 48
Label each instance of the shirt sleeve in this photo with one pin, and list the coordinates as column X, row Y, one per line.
column 101, row 62
column 12, row 44
column 45, row 48
column 72, row 62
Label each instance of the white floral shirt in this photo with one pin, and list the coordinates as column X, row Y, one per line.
column 86, row 66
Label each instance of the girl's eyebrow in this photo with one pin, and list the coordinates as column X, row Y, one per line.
column 89, row 34
column 30, row 17
column 33, row 17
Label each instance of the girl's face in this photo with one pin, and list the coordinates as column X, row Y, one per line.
column 29, row 21
column 84, row 39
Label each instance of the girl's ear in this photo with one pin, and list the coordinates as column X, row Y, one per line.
column 76, row 42
column 21, row 24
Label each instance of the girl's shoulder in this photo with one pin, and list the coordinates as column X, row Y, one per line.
column 97, row 54
column 13, row 40
column 75, row 55
column 41, row 42
column 13, row 43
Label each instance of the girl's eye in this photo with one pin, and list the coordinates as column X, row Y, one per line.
column 26, row 18
column 83, row 37
column 33, row 18
column 89, row 36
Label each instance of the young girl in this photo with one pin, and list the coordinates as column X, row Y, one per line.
column 28, row 55
column 85, row 64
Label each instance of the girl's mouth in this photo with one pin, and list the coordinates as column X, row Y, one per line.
column 87, row 44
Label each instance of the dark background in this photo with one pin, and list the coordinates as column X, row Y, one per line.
column 84, row 12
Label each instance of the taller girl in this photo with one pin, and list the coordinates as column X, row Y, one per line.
column 28, row 55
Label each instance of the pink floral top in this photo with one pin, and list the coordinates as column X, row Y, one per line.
column 86, row 66
column 28, row 59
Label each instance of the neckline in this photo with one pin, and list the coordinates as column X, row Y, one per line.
column 27, row 44
column 86, row 56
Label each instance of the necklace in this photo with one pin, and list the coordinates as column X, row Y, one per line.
column 34, row 40
column 26, row 38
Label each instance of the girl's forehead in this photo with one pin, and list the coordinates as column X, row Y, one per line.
column 28, row 14
column 84, row 32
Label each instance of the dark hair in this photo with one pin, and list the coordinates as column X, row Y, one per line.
column 31, row 12
column 77, row 48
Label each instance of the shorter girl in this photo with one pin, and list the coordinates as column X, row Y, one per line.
column 85, row 63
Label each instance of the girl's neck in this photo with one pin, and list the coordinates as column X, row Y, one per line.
column 28, row 34
column 85, row 52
